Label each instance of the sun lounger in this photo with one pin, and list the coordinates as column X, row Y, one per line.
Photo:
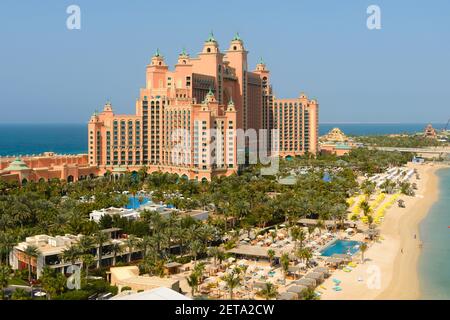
column 337, row 288
column 336, row 281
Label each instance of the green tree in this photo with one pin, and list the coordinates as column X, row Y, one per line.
column 284, row 260
column 5, row 276
column 193, row 282
column 116, row 248
column 53, row 283
column 232, row 279
column 31, row 252
column 269, row 291
column 20, row 294
column 100, row 238
column 363, row 249
column 270, row 255
column 88, row 260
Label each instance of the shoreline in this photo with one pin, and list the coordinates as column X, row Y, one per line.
column 405, row 278
column 387, row 273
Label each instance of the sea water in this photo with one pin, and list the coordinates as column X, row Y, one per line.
column 434, row 261
column 28, row 139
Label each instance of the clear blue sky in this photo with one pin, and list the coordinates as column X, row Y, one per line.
column 400, row 73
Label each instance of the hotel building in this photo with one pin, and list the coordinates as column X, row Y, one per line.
column 186, row 119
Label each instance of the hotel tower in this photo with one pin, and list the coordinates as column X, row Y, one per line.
column 186, row 118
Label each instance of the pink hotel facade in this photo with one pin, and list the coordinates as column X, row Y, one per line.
column 176, row 111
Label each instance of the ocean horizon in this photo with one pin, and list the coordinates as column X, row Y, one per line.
column 434, row 260
column 71, row 138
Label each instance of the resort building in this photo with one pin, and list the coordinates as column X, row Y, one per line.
column 135, row 214
column 128, row 276
column 430, row 132
column 46, row 167
column 161, row 293
column 51, row 249
column 336, row 142
column 129, row 214
column 186, row 118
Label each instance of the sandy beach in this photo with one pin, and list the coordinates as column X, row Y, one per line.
column 390, row 267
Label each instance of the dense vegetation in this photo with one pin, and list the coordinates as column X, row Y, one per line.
column 406, row 141
column 238, row 202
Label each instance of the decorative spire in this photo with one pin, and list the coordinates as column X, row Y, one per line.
column 231, row 103
column 211, row 37
column 261, row 61
column 237, row 37
column 210, row 92
column 183, row 52
column 157, row 54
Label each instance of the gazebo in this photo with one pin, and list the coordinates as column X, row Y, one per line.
column 297, row 289
column 172, row 268
column 324, row 270
column 317, row 276
column 307, row 282
column 287, row 296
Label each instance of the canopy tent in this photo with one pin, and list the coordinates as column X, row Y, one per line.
column 297, row 289
column 307, row 282
column 287, row 296
column 318, row 276
column 324, row 270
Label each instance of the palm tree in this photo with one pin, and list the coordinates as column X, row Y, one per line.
column 31, row 252
column 309, row 294
column 88, row 260
column 369, row 220
column 215, row 253
column 284, row 260
column 99, row 239
column 53, row 282
column 7, row 242
column 20, row 294
column 321, row 225
column 116, row 248
column 232, row 279
column 193, row 282
column 130, row 242
column 269, row 292
column 85, row 244
column 270, row 255
column 5, row 276
column 295, row 231
column 196, row 247
column 365, row 207
column 71, row 254
column 363, row 249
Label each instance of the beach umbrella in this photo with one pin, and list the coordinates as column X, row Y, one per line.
column 307, row 282
column 297, row 289
column 323, row 270
column 287, row 296
column 316, row 276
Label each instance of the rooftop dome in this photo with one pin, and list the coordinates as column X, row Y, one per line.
column 17, row 165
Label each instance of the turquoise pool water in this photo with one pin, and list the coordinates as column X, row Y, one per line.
column 341, row 247
column 134, row 203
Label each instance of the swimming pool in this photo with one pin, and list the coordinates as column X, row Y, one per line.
column 134, row 203
column 341, row 246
